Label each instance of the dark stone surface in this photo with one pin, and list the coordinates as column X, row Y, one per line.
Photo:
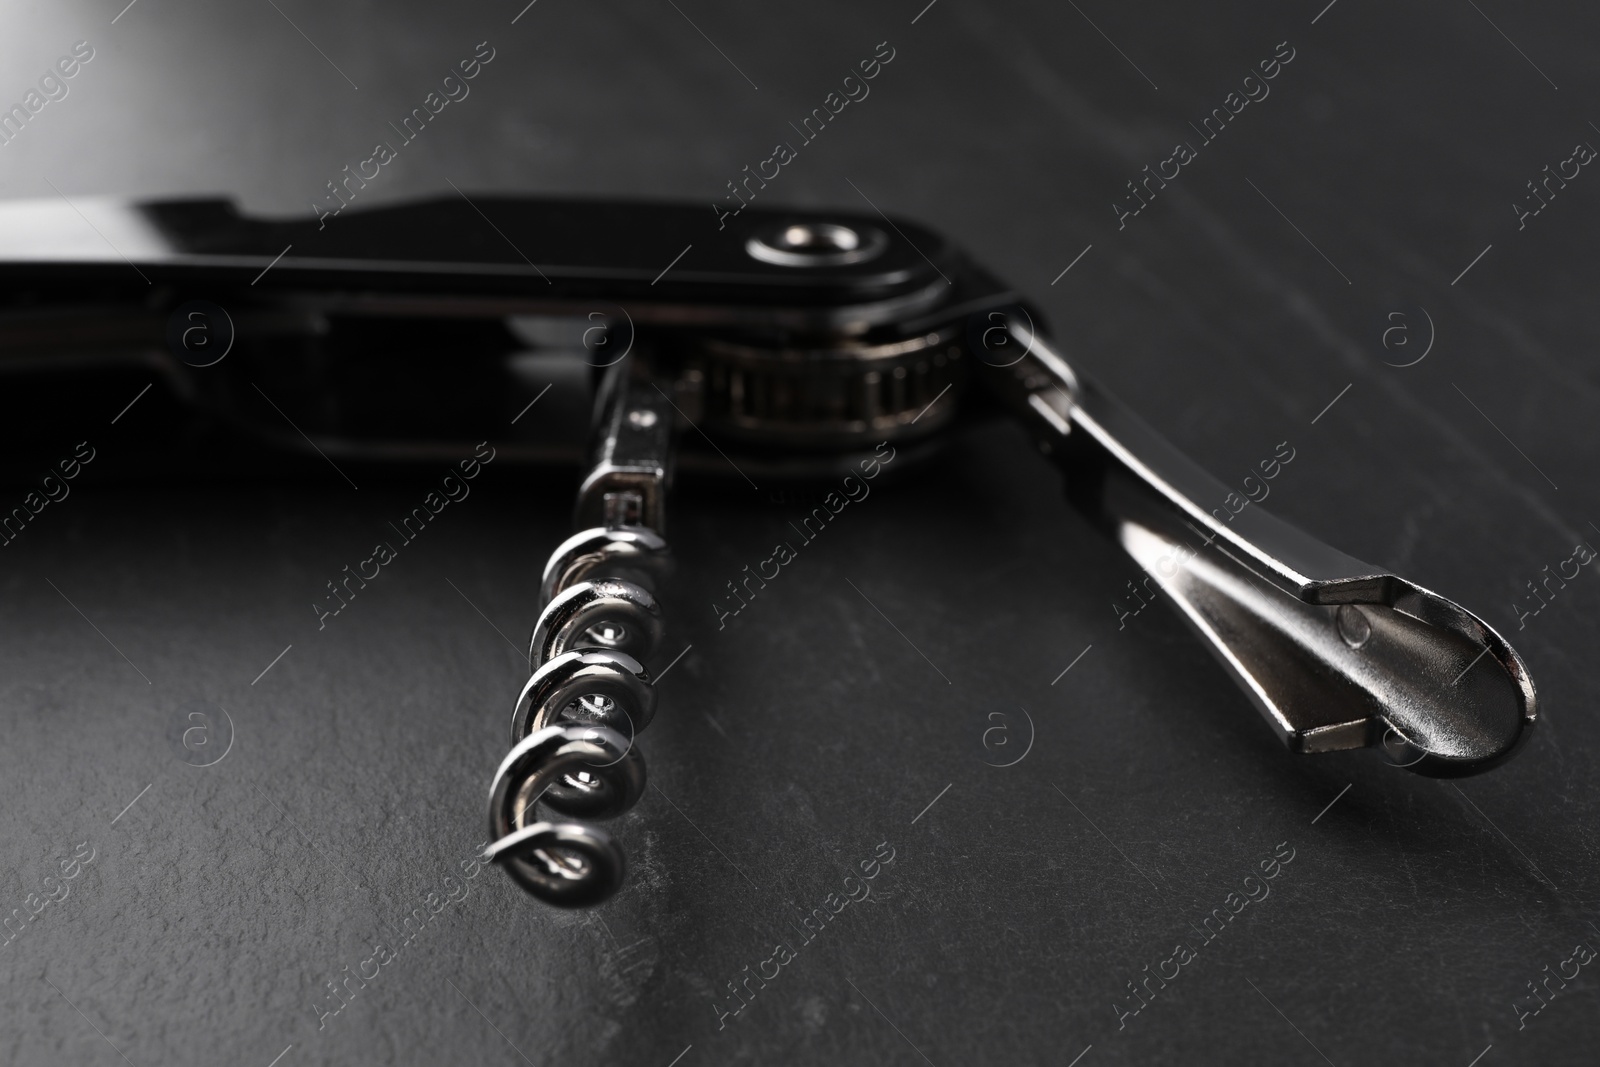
column 808, row 731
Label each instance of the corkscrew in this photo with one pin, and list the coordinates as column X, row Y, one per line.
column 783, row 345
column 589, row 694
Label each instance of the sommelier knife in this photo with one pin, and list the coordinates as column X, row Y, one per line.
column 777, row 344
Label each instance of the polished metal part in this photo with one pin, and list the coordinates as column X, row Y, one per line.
column 569, row 864
column 632, row 553
column 1335, row 653
column 607, row 612
column 631, row 469
column 570, row 751
column 613, row 774
column 816, row 244
column 830, row 395
column 589, row 695
column 609, row 689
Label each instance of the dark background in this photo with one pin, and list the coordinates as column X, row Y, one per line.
column 808, row 731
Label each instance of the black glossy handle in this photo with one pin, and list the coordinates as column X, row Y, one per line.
column 480, row 246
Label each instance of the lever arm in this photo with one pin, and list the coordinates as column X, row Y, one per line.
column 1334, row 652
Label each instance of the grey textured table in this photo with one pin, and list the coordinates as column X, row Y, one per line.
column 1374, row 176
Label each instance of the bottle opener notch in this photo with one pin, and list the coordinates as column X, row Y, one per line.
column 1334, row 652
column 1423, row 680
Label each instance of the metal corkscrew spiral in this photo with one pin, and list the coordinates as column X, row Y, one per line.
column 575, row 721
column 588, row 694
